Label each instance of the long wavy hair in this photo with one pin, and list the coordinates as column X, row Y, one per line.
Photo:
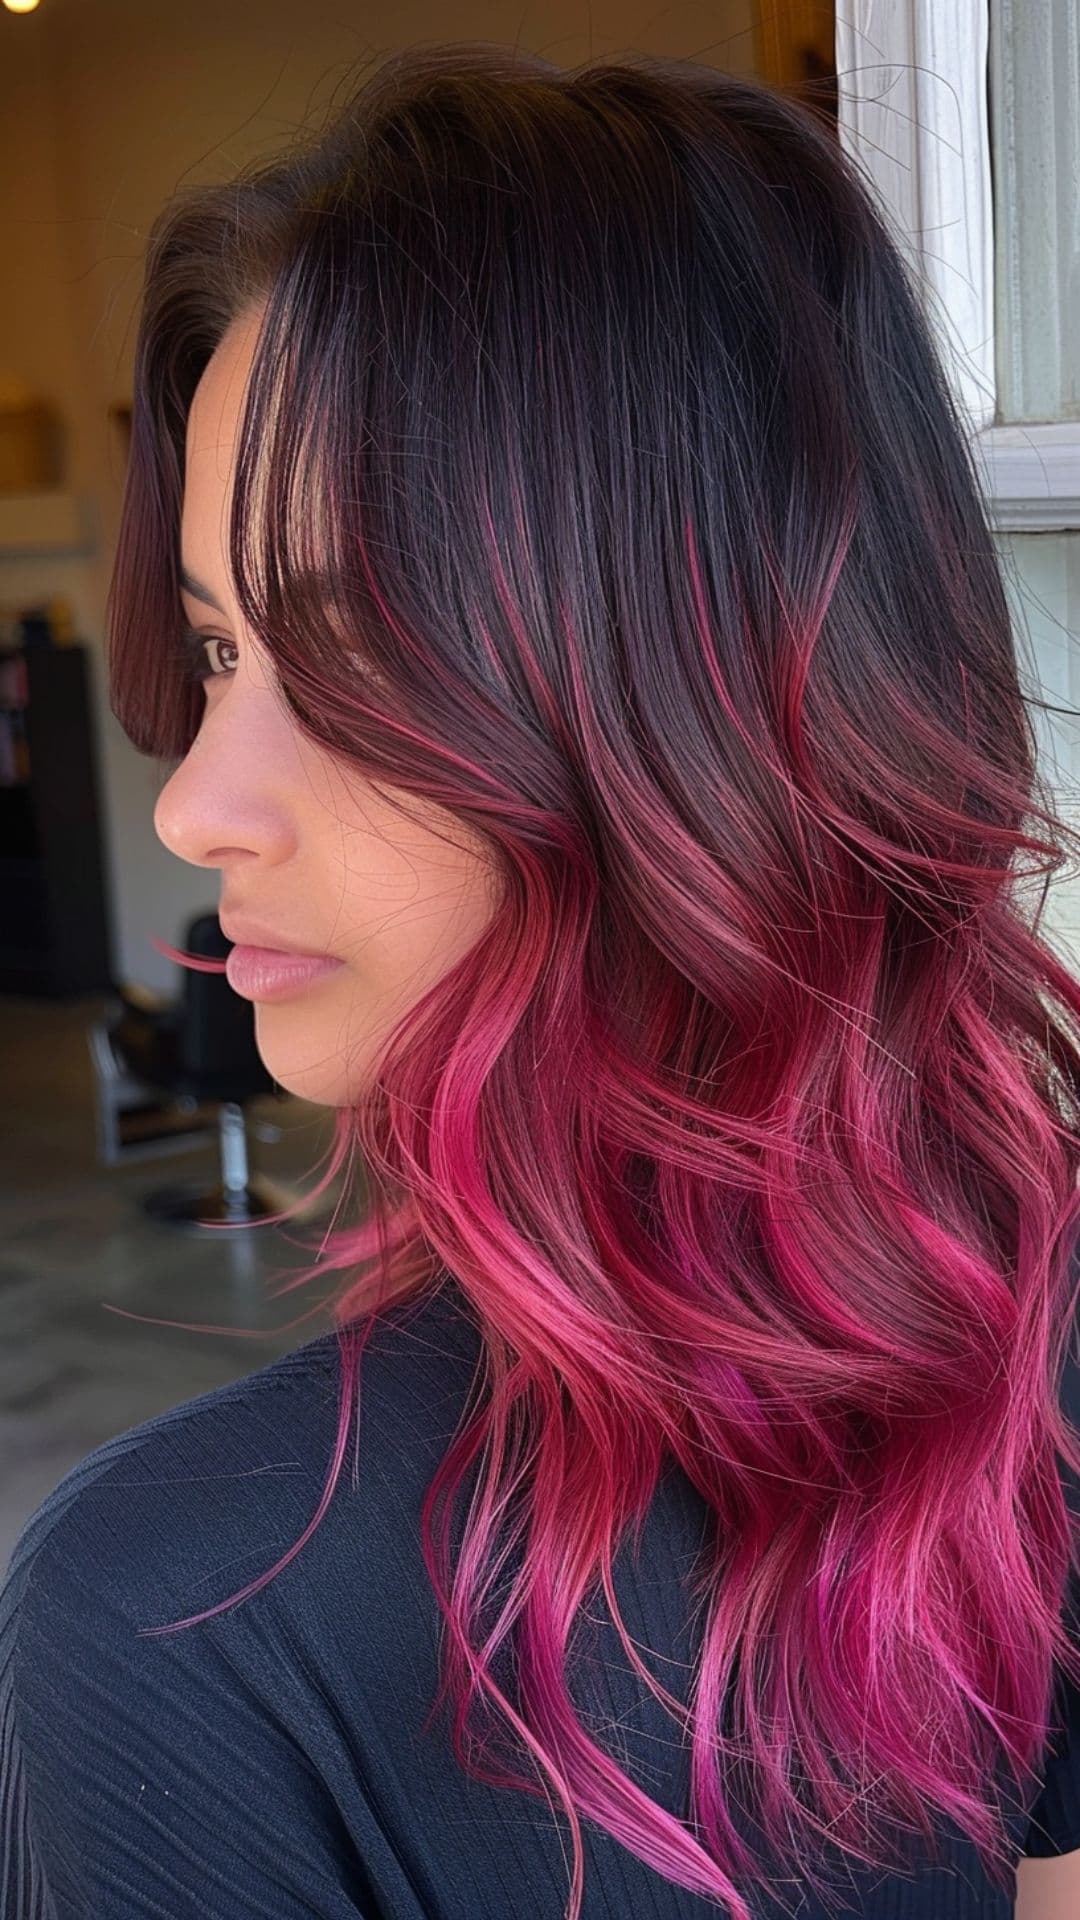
column 598, row 482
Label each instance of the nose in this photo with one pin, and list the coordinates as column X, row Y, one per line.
column 227, row 800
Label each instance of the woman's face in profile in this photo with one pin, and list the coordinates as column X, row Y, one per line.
column 309, row 853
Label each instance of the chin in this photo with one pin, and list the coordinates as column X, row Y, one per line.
column 325, row 1072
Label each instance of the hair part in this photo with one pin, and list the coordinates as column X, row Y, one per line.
column 598, row 481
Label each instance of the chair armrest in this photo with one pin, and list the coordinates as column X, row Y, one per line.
column 143, row 999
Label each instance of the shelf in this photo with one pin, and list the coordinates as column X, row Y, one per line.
column 47, row 520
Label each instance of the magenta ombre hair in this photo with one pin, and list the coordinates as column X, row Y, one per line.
column 598, row 483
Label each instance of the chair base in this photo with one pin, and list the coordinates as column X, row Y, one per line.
column 194, row 1209
column 236, row 1200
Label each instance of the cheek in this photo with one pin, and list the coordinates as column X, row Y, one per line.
column 403, row 900
column 421, row 925
column 324, row 1044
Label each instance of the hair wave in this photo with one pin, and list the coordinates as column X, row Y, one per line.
column 598, row 481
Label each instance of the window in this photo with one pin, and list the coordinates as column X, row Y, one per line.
column 966, row 119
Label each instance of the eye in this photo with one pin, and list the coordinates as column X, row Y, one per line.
column 199, row 654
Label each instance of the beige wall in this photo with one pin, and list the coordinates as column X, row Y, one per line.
column 105, row 107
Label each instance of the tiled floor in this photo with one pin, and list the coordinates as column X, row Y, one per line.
column 74, row 1239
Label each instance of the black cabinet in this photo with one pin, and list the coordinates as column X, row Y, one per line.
column 54, row 921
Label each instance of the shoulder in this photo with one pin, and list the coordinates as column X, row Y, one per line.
column 227, row 1481
column 109, row 1731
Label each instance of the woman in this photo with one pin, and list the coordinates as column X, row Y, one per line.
column 550, row 548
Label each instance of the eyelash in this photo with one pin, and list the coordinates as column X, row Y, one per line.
column 194, row 646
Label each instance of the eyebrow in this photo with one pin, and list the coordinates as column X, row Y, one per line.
column 198, row 591
column 325, row 582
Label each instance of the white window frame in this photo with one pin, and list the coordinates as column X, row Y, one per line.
column 912, row 82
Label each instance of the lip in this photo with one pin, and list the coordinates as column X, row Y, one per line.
column 274, row 973
column 248, row 933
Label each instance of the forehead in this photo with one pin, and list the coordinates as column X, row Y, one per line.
column 213, row 424
column 214, row 415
